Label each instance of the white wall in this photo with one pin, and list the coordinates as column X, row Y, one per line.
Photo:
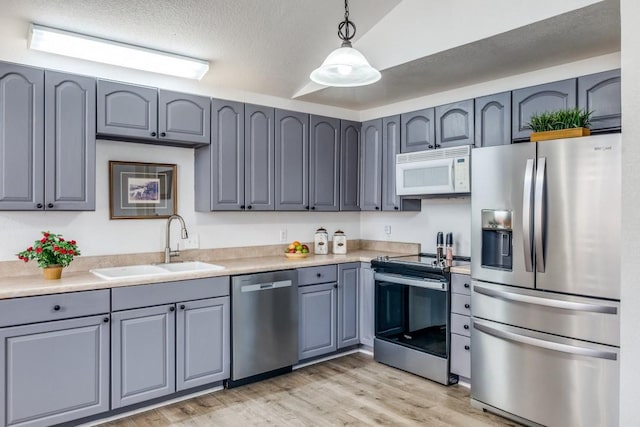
column 630, row 245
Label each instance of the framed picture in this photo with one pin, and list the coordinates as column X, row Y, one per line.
column 142, row 190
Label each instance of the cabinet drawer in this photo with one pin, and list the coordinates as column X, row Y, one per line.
column 461, row 355
column 460, row 324
column 322, row 274
column 168, row 292
column 20, row 311
column 461, row 283
column 461, row 304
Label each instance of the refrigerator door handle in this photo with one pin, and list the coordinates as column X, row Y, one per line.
column 549, row 345
column 526, row 215
column 540, row 209
column 546, row 302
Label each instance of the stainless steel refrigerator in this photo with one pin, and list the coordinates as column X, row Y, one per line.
column 546, row 280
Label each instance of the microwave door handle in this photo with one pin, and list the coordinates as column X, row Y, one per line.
column 526, row 215
column 452, row 170
column 540, row 209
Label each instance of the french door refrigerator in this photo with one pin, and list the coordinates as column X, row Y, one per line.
column 546, row 280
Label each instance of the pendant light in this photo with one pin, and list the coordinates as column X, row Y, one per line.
column 345, row 66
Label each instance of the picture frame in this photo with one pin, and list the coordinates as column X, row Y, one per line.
column 142, row 190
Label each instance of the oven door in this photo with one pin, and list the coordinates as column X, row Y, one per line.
column 412, row 312
column 425, row 177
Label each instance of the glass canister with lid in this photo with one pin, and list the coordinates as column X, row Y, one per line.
column 339, row 242
column 321, row 242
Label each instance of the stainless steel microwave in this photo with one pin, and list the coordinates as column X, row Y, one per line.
column 441, row 171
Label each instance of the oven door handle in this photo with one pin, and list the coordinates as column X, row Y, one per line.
column 435, row 285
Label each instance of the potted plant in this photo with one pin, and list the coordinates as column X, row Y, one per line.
column 566, row 123
column 52, row 253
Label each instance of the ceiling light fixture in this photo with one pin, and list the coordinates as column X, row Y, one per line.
column 95, row 49
column 345, row 66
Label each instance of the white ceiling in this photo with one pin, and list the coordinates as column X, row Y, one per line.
column 270, row 46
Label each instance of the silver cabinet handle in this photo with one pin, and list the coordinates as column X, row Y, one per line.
column 539, row 214
column 402, row 280
column 553, row 303
column 527, row 194
column 549, row 345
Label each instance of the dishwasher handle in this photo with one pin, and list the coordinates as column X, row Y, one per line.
column 256, row 287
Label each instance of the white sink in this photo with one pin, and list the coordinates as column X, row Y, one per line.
column 187, row 266
column 148, row 270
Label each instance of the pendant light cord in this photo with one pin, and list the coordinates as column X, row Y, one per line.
column 346, row 29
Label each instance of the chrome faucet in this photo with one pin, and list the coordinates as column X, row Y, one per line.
column 168, row 253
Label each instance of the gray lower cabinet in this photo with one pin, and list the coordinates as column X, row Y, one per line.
column 418, row 130
column 366, row 306
column 292, row 161
column 538, row 99
column 601, row 94
column 348, row 303
column 371, row 166
column 493, row 120
column 259, row 158
column 184, row 118
column 317, row 322
column 454, row 124
column 324, row 163
column 142, row 354
column 350, row 165
column 461, row 325
column 127, row 111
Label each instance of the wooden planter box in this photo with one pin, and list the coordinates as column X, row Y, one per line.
column 559, row 134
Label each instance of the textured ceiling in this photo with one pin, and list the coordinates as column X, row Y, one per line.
column 270, row 46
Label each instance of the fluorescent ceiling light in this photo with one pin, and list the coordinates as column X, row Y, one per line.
column 110, row 52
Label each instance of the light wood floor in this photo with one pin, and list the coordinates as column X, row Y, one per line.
column 351, row 390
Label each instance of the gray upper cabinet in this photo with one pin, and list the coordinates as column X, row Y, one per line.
column 390, row 147
column 142, row 354
column 538, row 99
column 418, row 130
column 54, row 372
column 601, row 94
column 227, row 155
column 127, row 111
column 349, row 165
column 454, row 124
column 371, row 166
column 324, row 163
column 21, row 137
column 259, row 158
column 292, row 161
column 183, row 117
column 202, row 342
column 348, row 314
column 493, row 120
column 317, row 321
column 70, row 142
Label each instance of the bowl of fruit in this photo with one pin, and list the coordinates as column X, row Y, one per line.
column 296, row 250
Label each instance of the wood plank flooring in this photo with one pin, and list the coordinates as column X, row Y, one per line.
column 352, row 390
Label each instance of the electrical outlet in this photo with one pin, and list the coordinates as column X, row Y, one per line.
column 283, row 235
column 191, row 242
column 387, row 229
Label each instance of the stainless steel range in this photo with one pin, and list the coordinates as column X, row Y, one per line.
column 412, row 303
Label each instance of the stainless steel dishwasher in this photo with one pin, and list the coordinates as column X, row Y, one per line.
column 264, row 325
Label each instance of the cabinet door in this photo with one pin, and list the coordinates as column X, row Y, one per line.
column 21, row 137
column 418, row 131
column 461, row 355
column 292, row 161
column 371, row 166
column 349, row 165
column 317, row 324
column 366, row 306
column 324, row 166
column 493, row 120
column 54, row 372
column 348, row 278
column 601, row 94
column 184, row 118
column 390, row 147
column 259, row 158
column 454, row 124
column 127, row 111
column 227, row 155
column 70, row 142
column 142, row 354
column 202, row 342
column 538, row 99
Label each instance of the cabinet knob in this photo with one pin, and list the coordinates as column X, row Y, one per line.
column 319, row 275
column 377, row 208
column 249, row 207
column 153, row 134
column 438, row 145
column 467, row 306
column 306, row 207
column 172, row 308
column 182, row 306
column 335, row 286
column 466, row 347
column 105, row 320
column 430, row 146
column 313, row 208
column 39, row 206
column 50, row 205
column 466, row 285
column 56, row 307
column 466, row 326
column 241, row 206
column 396, row 208
column 163, row 134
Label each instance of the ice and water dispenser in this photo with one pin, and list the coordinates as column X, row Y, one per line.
column 497, row 239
